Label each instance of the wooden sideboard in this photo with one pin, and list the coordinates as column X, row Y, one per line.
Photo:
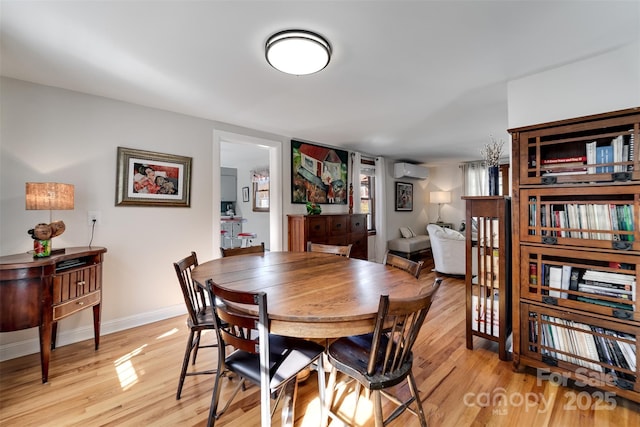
column 41, row 291
column 331, row 229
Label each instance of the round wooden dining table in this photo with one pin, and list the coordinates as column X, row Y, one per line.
column 312, row 295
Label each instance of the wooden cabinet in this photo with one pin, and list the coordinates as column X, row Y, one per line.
column 333, row 229
column 488, row 270
column 41, row 291
column 576, row 234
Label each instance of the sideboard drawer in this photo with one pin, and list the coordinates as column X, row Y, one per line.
column 75, row 283
column 70, row 307
column 317, row 227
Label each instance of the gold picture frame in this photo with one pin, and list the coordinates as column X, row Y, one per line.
column 147, row 178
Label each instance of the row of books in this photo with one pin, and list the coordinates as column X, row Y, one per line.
column 599, row 221
column 616, row 152
column 586, row 345
column 613, row 157
column 615, row 290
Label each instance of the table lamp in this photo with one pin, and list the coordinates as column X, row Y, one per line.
column 440, row 197
column 48, row 196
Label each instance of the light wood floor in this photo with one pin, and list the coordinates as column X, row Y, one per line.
column 132, row 379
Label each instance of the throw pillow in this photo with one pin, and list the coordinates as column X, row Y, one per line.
column 406, row 233
column 413, row 234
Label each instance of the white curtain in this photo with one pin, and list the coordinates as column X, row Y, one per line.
column 356, row 158
column 381, row 216
column 476, row 181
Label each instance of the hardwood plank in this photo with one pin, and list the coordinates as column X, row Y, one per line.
column 132, row 380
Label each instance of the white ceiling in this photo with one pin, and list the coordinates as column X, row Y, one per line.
column 422, row 81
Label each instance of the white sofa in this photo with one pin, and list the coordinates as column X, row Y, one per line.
column 448, row 248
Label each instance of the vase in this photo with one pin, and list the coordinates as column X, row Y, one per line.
column 41, row 248
column 494, row 181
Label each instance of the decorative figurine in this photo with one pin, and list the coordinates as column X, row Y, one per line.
column 42, row 235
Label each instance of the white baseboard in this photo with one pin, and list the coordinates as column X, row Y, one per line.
column 22, row 348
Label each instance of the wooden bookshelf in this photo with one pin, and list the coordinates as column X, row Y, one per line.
column 576, row 221
column 488, row 270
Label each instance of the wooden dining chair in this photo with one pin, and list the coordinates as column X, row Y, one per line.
column 344, row 250
column 267, row 360
column 412, row 267
column 200, row 316
column 383, row 358
column 257, row 249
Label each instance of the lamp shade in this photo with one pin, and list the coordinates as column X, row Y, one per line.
column 297, row 52
column 49, row 196
column 440, row 197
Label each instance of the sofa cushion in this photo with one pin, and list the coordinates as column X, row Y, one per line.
column 406, row 232
column 410, row 245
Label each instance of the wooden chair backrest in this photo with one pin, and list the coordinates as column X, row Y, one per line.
column 257, row 249
column 242, row 329
column 412, row 267
column 344, row 251
column 397, row 326
column 193, row 294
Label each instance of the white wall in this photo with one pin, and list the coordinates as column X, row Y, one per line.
column 49, row 134
column 441, row 178
column 607, row 82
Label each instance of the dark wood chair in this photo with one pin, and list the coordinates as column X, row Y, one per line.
column 201, row 316
column 412, row 267
column 257, row 249
column 270, row 361
column 344, row 251
column 383, row 359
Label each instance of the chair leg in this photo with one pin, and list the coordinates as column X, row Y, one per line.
column 328, row 397
column 185, row 364
column 195, row 347
column 414, row 392
column 321, row 384
column 377, row 403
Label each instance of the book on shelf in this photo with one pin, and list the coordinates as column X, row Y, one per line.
column 574, row 279
column 570, row 159
column 564, row 281
column 606, row 303
column 604, row 154
column 617, row 146
column 591, row 155
column 630, row 150
column 610, row 277
column 625, row 296
column 555, row 281
column 533, row 273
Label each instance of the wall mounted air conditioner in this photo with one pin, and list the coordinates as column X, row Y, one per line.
column 407, row 170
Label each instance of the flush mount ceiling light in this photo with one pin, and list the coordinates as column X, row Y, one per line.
column 297, row 52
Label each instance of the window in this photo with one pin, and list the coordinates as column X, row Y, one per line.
column 260, row 181
column 261, row 196
column 368, row 191
column 476, row 179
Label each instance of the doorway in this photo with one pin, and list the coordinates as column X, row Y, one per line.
column 244, row 153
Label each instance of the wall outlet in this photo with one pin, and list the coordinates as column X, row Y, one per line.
column 93, row 215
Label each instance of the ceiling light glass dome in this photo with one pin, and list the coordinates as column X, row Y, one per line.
column 297, row 52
